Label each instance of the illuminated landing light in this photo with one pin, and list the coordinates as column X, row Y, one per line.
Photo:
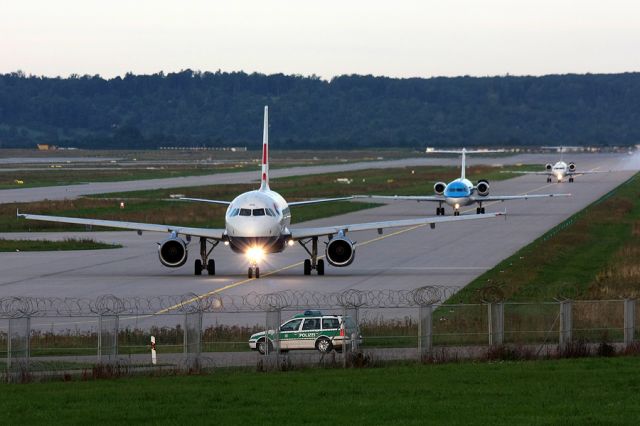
column 457, row 206
column 290, row 243
column 226, row 243
column 255, row 254
column 559, row 176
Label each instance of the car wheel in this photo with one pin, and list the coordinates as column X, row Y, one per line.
column 324, row 345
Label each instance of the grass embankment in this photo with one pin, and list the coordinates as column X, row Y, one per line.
column 593, row 255
column 576, row 391
column 152, row 206
column 49, row 245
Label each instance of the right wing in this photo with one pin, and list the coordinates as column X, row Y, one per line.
column 436, row 198
column 527, row 173
column 299, row 233
column 216, row 234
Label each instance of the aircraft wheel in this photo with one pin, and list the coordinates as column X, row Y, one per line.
column 482, row 210
column 570, row 180
column 437, row 211
column 320, row 267
column 257, row 272
column 307, row 267
column 250, row 273
column 478, row 210
column 211, row 267
column 197, row 268
column 456, row 213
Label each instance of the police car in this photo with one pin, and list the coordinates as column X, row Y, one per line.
column 309, row 330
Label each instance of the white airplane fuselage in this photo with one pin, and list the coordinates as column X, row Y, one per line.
column 259, row 218
column 559, row 170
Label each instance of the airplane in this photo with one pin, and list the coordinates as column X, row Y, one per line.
column 257, row 223
column 560, row 170
column 461, row 191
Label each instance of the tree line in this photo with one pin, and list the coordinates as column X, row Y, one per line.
column 193, row 108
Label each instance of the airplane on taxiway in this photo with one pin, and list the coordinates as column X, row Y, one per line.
column 560, row 170
column 461, row 191
column 257, row 223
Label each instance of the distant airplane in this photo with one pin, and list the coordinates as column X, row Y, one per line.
column 559, row 170
column 256, row 223
column 461, row 192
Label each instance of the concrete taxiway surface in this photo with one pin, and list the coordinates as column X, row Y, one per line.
column 72, row 191
column 449, row 255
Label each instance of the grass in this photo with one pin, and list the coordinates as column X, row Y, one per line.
column 575, row 391
column 49, row 245
column 152, row 205
column 593, row 255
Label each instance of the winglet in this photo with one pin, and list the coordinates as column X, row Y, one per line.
column 264, row 183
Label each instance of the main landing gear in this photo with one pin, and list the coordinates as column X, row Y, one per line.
column 440, row 210
column 204, row 262
column 570, row 180
column 314, row 262
column 480, row 210
column 548, row 180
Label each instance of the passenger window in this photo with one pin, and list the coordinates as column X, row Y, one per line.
column 311, row 324
column 330, row 323
column 292, row 325
column 245, row 212
column 258, row 212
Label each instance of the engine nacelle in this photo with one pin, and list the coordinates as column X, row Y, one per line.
column 483, row 187
column 548, row 167
column 439, row 188
column 340, row 252
column 173, row 252
column 572, row 167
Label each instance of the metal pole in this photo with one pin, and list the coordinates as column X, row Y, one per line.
column 629, row 321
column 565, row 323
column 425, row 331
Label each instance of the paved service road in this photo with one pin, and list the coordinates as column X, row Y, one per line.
column 450, row 255
column 74, row 191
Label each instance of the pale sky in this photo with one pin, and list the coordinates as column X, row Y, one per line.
column 400, row 38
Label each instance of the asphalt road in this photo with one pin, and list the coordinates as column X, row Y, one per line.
column 450, row 255
column 74, row 191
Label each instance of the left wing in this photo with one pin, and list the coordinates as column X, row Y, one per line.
column 204, row 200
column 216, row 234
column 527, row 173
column 515, row 197
column 299, row 233
column 318, row 201
column 436, row 198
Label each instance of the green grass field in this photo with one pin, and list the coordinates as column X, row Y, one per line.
column 593, row 255
column 49, row 245
column 570, row 391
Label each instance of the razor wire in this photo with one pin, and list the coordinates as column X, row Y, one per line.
column 16, row 307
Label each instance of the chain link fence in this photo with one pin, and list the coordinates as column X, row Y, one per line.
column 191, row 332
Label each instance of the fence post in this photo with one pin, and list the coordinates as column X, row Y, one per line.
column 108, row 328
column 496, row 323
column 425, row 331
column 629, row 321
column 272, row 348
column 566, row 323
column 18, row 342
column 192, row 339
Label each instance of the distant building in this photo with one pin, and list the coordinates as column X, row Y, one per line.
column 46, row 147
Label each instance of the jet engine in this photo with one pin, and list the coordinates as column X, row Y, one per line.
column 439, row 188
column 172, row 252
column 340, row 251
column 572, row 167
column 548, row 167
column 483, row 187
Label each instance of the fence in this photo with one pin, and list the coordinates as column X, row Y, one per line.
column 39, row 335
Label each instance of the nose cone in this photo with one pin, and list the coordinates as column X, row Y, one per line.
column 252, row 226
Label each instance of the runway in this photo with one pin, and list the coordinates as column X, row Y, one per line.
column 449, row 255
column 24, row 195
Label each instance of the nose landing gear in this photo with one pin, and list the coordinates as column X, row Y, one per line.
column 254, row 270
column 314, row 262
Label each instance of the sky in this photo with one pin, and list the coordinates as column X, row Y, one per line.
column 400, row 38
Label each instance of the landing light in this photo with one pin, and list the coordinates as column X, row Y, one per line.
column 290, row 243
column 226, row 243
column 457, row 206
column 255, row 254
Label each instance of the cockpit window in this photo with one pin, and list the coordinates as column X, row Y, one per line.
column 270, row 212
column 245, row 212
column 234, row 212
column 258, row 212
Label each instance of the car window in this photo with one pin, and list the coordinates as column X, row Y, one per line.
column 330, row 323
column 258, row 212
column 311, row 324
column 245, row 212
column 292, row 325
